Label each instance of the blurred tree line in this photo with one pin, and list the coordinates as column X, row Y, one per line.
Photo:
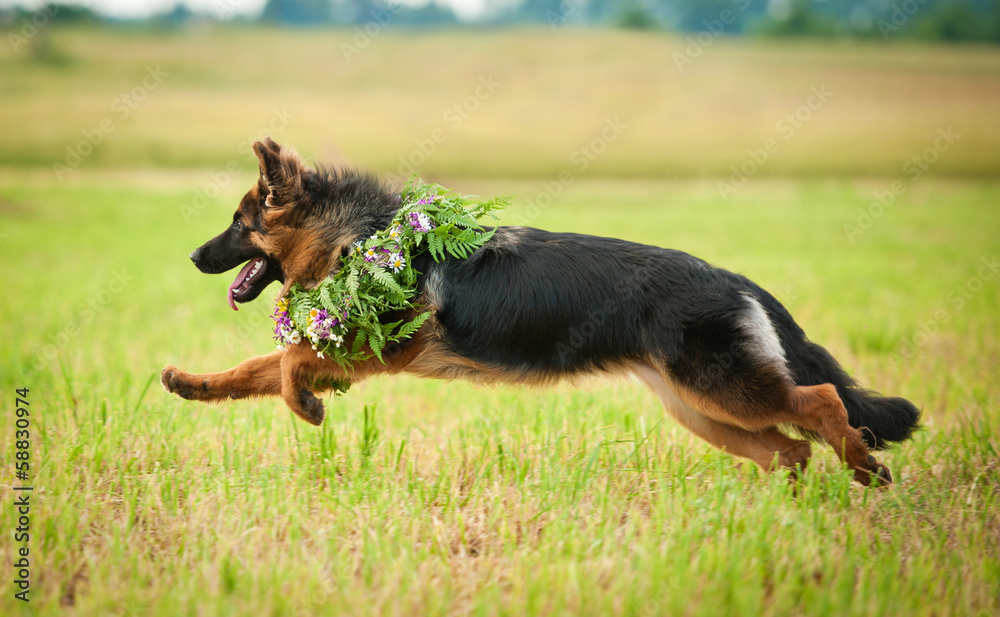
column 934, row 20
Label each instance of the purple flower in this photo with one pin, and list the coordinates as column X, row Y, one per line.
column 421, row 222
column 284, row 332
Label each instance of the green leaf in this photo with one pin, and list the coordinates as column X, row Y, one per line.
column 387, row 281
column 407, row 329
column 436, row 246
column 374, row 291
column 376, row 345
column 352, row 282
column 359, row 340
column 325, row 299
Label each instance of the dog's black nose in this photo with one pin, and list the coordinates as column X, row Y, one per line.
column 195, row 255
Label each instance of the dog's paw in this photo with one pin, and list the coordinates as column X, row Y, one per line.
column 309, row 408
column 876, row 475
column 180, row 383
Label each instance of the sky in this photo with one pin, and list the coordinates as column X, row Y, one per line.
column 465, row 9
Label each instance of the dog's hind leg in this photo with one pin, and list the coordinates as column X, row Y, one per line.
column 817, row 409
column 820, row 410
column 260, row 376
column 760, row 446
column 733, row 370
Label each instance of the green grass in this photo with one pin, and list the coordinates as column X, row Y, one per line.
column 453, row 499
column 431, row 498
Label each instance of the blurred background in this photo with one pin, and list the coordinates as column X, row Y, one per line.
column 844, row 154
column 502, row 89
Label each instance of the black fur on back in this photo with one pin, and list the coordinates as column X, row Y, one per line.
column 545, row 304
column 561, row 303
column 556, row 304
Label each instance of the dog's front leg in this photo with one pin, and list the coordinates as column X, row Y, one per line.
column 303, row 373
column 260, row 376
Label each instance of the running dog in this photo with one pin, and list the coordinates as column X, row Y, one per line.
column 532, row 306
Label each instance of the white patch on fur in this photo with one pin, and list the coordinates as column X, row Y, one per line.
column 765, row 343
column 434, row 287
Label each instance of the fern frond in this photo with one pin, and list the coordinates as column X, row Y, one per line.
column 361, row 292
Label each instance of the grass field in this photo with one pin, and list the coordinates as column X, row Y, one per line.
column 549, row 94
column 432, row 498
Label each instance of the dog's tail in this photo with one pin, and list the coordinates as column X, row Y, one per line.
column 882, row 420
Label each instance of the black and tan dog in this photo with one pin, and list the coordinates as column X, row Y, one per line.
column 531, row 306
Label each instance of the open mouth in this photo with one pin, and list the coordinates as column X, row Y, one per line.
column 253, row 277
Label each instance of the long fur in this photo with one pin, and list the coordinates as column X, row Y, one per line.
column 882, row 420
column 536, row 306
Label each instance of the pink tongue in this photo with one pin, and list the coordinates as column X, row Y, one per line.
column 236, row 284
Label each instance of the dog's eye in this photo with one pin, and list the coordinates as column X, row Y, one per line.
column 237, row 224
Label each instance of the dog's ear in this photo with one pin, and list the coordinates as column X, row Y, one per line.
column 280, row 172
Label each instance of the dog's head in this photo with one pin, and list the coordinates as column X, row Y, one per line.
column 294, row 224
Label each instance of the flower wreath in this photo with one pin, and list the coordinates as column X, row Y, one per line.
column 377, row 277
